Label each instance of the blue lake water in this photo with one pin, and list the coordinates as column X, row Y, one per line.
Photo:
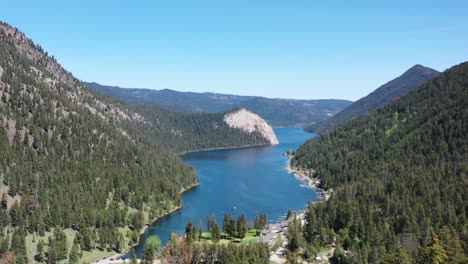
column 235, row 181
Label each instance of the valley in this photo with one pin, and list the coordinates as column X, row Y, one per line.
column 117, row 161
column 277, row 112
column 270, row 132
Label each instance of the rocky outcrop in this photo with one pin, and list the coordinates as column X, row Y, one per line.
column 250, row 122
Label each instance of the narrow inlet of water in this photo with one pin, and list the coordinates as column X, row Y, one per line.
column 235, row 181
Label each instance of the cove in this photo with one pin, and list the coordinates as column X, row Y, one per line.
column 245, row 180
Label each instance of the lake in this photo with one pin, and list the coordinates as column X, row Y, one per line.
column 235, row 181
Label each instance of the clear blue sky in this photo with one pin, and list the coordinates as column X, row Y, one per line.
column 274, row 48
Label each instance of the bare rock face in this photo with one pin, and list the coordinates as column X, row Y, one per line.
column 250, row 122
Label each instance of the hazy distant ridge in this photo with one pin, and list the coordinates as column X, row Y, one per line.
column 277, row 112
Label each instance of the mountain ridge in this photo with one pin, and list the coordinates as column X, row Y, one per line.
column 410, row 79
column 75, row 160
column 276, row 111
column 399, row 177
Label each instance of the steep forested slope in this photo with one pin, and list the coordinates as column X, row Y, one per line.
column 81, row 162
column 191, row 132
column 185, row 132
column 66, row 160
column 398, row 173
column 383, row 95
column 277, row 112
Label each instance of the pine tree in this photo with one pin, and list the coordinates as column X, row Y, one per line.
column 229, row 225
column 189, row 232
column 434, row 253
column 241, row 226
column 152, row 245
column 4, row 98
column 208, row 223
column 215, row 234
column 290, row 214
column 133, row 256
column 87, row 240
column 15, row 215
column 294, row 235
column 52, row 256
column 257, row 224
column 4, row 243
column 4, row 202
column 200, row 232
column 74, row 253
column 18, row 246
column 40, row 257
column 59, row 242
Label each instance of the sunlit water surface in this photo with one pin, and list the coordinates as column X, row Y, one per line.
column 247, row 180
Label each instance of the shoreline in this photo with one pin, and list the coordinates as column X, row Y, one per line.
column 116, row 257
column 308, row 181
column 271, row 230
column 223, row 148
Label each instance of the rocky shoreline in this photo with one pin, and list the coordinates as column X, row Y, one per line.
column 308, row 178
column 272, row 232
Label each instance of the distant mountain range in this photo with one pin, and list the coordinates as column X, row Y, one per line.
column 383, row 95
column 277, row 112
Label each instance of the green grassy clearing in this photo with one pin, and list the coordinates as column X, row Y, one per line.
column 250, row 237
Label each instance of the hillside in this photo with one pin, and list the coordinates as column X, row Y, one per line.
column 67, row 161
column 288, row 112
column 398, row 173
column 383, row 95
column 187, row 132
column 277, row 112
column 81, row 170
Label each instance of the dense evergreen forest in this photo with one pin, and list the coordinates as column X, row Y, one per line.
column 383, row 95
column 400, row 179
column 186, row 132
column 81, row 172
column 64, row 167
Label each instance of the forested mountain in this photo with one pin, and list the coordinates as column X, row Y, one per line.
column 277, row 112
column 66, row 161
column 400, row 176
column 186, row 132
column 81, row 171
column 383, row 95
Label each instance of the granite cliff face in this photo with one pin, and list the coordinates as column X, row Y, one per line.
column 250, row 122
